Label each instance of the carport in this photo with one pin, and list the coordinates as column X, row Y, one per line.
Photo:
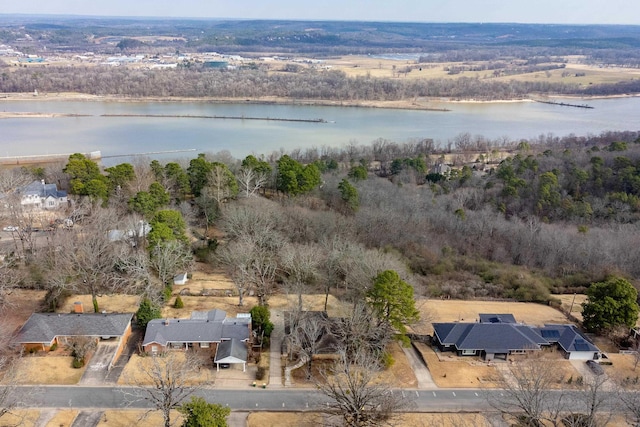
column 231, row 351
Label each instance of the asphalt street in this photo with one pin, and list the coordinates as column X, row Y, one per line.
column 80, row 397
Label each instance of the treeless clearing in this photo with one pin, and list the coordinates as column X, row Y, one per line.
column 23, row 418
column 126, row 418
column 576, row 307
column 133, row 373
column 63, row 417
column 117, row 303
column 454, row 372
column 436, row 310
column 622, row 367
column 48, row 370
column 312, row 419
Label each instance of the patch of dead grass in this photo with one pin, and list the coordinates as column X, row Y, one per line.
column 622, row 367
column 22, row 418
column 134, row 371
column 141, row 418
column 63, row 417
column 48, row 370
column 451, row 372
column 312, row 419
column 116, row 303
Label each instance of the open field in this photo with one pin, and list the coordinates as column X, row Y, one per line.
column 436, row 310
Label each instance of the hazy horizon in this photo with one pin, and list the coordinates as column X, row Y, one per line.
column 622, row 12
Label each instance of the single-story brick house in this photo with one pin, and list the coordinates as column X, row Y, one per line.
column 43, row 330
column 201, row 330
column 496, row 336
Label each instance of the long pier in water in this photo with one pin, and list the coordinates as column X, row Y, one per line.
column 189, row 116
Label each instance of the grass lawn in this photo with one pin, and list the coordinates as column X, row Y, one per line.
column 452, row 371
column 20, row 418
column 48, row 370
column 312, row 419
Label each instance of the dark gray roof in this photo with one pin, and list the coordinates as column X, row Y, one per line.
column 44, row 327
column 497, row 318
column 41, row 189
column 211, row 326
column 227, row 351
column 490, row 337
column 571, row 339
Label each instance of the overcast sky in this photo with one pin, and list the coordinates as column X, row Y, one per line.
column 530, row 11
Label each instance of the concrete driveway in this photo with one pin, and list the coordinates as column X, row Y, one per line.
column 98, row 367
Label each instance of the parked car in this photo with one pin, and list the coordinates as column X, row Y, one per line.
column 10, row 228
column 595, row 367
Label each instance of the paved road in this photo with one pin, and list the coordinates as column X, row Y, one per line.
column 81, row 397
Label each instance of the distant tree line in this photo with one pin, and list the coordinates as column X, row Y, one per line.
column 250, row 83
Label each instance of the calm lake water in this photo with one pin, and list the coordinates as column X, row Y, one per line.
column 127, row 135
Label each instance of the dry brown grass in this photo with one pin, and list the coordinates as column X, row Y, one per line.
column 22, row 418
column 134, row 371
column 48, row 370
column 398, row 375
column 622, row 367
column 576, row 307
column 126, row 418
column 116, row 303
column 436, row 310
column 312, row 419
column 63, row 417
column 454, row 372
column 24, row 303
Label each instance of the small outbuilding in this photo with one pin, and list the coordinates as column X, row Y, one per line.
column 180, row 279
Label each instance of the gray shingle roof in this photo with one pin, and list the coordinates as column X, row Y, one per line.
column 231, row 351
column 497, row 318
column 572, row 340
column 38, row 188
column 490, row 337
column 501, row 337
column 208, row 327
column 44, row 327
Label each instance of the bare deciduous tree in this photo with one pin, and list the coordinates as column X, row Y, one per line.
column 355, row 396
column 166, row 382
column 250, row 181
column 528, row 394
column 301, row 266
column 170, row 258
column 305, row 337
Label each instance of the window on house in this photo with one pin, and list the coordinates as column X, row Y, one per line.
column 468, row 352
column 204, row 345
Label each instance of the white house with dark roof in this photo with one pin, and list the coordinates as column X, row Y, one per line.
column 41, row 196
column 496, row 336
column 202, row 329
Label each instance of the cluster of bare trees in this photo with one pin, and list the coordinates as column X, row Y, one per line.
column 245, row 83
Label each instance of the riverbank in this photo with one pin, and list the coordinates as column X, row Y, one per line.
column 424, row 104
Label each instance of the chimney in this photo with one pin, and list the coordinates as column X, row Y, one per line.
column 77, row 307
